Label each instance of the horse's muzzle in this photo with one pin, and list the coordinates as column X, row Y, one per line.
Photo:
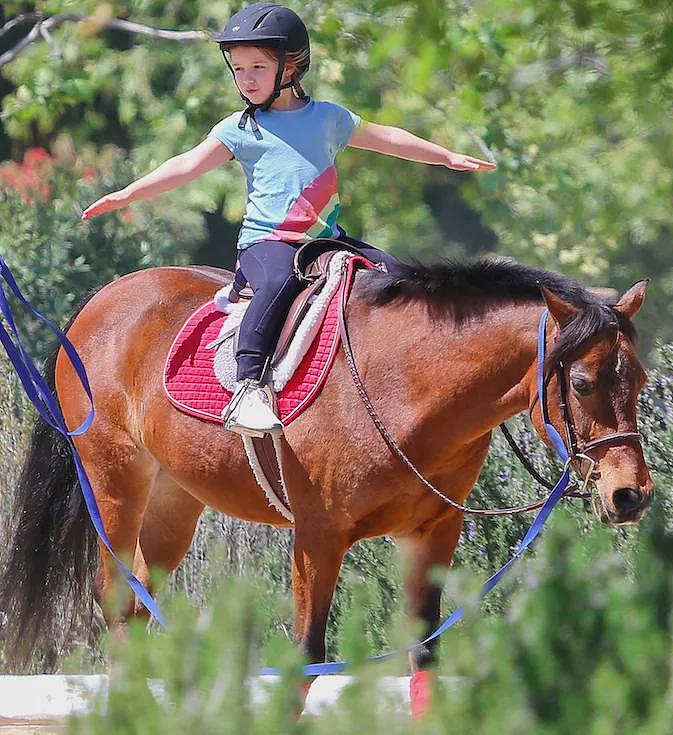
column 630, row 505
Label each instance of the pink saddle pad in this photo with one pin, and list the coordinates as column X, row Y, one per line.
column 189, row 378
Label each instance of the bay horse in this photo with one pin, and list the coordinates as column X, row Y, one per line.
column 447, row 352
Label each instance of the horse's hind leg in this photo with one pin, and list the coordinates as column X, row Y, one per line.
column 121, row 475
column 167, row 531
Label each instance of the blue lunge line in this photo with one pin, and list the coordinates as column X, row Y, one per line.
column 47, row 406
column 336, row 667
column 556, row 440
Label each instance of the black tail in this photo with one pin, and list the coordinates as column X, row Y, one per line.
column 51, row 563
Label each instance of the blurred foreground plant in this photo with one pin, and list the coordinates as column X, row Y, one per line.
column 584, row 647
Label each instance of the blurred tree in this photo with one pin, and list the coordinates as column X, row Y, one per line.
column 56, row 258
column 572, row 99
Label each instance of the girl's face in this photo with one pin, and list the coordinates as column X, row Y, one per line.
column 255, row 72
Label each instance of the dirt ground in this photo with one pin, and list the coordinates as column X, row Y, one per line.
column 26, row 728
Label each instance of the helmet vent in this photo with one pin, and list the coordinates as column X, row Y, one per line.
column 260, row 21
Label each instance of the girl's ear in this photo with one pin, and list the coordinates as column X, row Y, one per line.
column 289, row 71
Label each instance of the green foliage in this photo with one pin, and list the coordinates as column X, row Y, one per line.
column 195, row 675
column 15, row 425
column 571, row 98
column 585, row 645
column 56, row 258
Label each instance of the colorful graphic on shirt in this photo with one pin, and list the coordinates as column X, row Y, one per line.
column 314, row 212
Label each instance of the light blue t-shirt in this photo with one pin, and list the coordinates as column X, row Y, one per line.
column 289, row 166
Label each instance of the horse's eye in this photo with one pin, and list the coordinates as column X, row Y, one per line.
column 581, row 386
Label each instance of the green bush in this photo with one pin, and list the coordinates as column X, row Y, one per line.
column 584, row 646
column 56, row 257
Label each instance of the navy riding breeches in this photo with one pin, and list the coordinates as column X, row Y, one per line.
column 267, row 266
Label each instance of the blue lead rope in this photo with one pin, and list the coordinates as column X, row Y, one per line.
column 47, row 406
column 336, row 667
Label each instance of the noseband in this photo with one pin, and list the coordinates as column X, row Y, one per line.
column 569, row 456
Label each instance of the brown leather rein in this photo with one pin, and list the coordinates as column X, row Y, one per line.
column 577, row 452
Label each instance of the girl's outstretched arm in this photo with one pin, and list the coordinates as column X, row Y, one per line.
column 172, row 173
column 403, row 144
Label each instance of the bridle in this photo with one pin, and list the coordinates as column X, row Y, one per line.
column 572, row 453
column 575, row 451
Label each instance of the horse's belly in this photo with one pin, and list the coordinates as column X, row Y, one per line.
column 209, row 463
column 248, row 504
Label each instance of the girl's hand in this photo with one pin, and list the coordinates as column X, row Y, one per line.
column 108, row 203
column 459, row 162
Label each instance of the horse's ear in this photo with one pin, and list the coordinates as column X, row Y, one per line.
column 630, row 303
column 561, row 310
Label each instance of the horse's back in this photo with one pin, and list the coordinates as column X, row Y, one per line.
column 171, row 276
column 123, row 333
column 135, row 294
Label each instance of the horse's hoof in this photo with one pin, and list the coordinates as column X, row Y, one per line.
column 419, row 693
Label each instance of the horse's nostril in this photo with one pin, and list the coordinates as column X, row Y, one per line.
column 626, row 498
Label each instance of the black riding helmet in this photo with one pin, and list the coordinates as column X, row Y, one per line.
column 272, row 26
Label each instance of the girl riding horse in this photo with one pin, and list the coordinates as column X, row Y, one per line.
column 286, row 143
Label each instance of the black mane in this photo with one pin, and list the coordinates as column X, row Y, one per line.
column 467, row 290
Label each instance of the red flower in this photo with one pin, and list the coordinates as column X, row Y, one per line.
column 89, row 174
column 30, row 176
column 35, row 156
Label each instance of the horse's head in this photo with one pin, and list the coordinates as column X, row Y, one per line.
column 593, row 378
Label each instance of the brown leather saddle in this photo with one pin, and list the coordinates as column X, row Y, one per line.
column 311, row 266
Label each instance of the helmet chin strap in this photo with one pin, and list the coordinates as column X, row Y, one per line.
column 252, row 108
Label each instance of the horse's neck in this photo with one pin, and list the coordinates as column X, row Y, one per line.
column 464, row 380
column 506, row 372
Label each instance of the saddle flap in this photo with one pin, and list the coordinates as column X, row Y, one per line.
column 298, row 310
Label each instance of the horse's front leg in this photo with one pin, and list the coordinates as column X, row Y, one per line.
column 425, row 553
column 316, row 560
column 433, row 546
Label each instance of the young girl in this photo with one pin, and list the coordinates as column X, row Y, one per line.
column 286, row 144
